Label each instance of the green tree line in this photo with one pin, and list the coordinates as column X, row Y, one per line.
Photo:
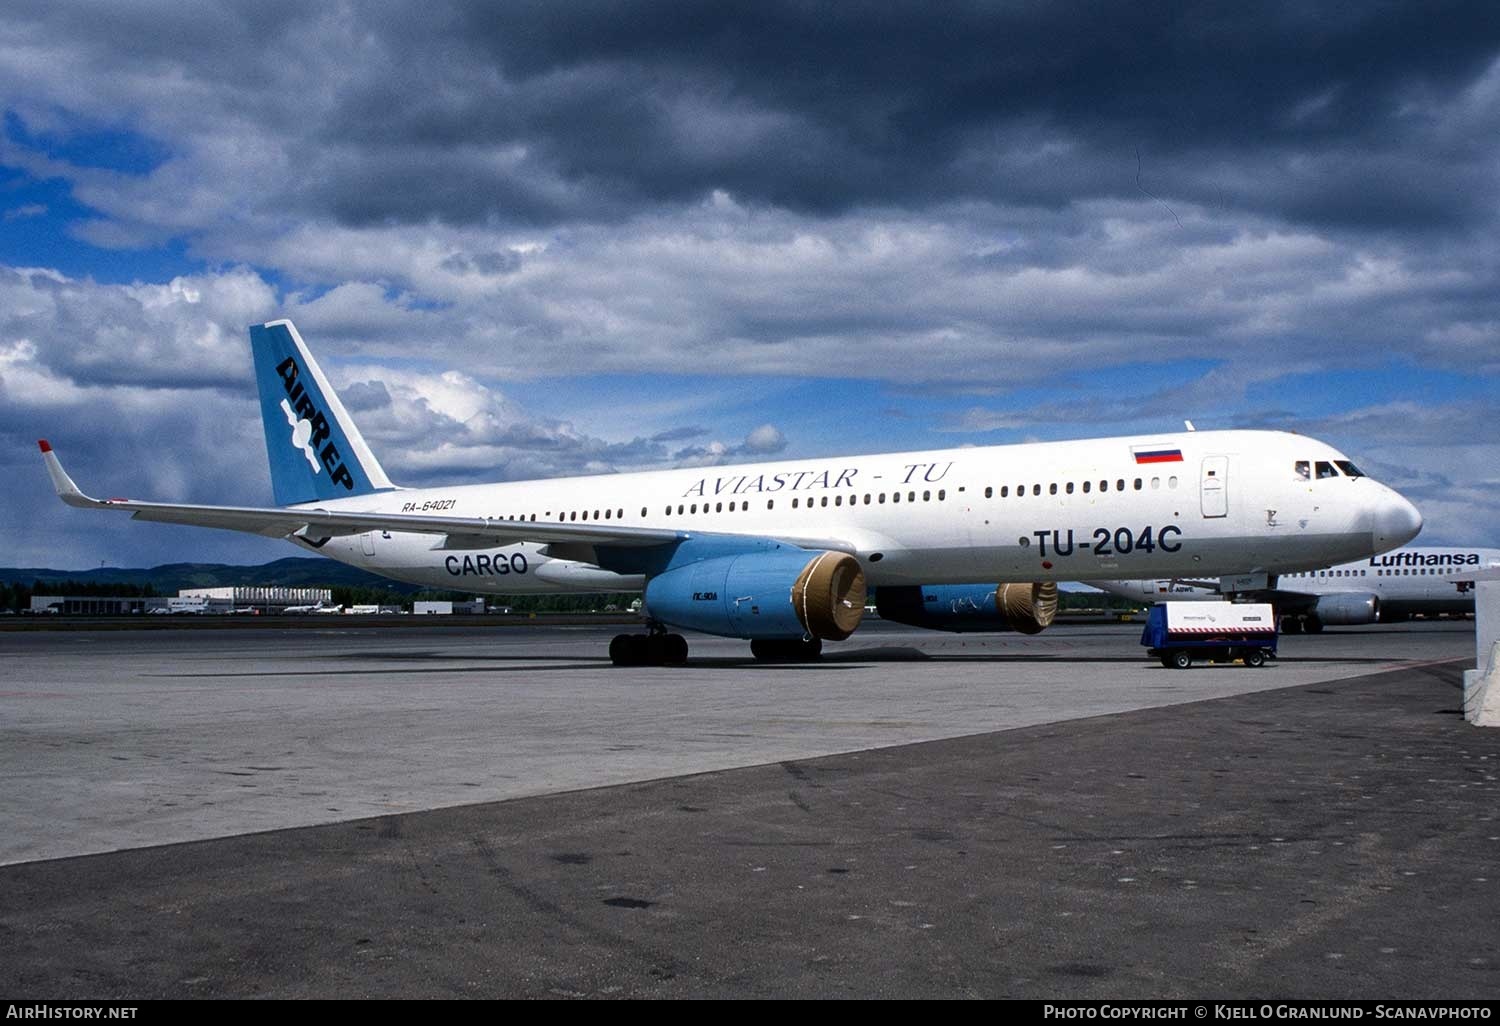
column 16, row 595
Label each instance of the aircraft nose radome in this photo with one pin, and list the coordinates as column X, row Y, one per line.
column 1396, row 522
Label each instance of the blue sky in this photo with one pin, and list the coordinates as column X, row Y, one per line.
column 554, row 239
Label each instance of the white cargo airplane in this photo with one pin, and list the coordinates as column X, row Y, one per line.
column 1382, row 589
column 781, row 553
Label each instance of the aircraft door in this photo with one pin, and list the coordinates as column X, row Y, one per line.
column 1214, row 486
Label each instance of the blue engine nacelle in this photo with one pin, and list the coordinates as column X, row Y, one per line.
column 1028, row 608
column 785, row 594
column 1347, row 610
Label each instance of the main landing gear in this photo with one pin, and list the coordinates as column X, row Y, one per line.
column 655, row 649
column 787, row 650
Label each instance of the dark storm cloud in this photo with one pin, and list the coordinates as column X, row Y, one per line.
column 542, row 113
column 1326, row 114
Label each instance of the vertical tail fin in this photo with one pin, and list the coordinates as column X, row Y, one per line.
column 316, row 451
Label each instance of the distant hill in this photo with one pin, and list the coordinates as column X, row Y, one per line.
column 292, row 572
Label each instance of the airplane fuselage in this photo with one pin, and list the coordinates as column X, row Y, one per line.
column 1184, row 504
column 1416, row 580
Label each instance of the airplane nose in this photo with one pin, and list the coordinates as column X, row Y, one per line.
column 1396, row 522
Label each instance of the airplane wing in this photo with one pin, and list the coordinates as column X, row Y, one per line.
column 279, row 522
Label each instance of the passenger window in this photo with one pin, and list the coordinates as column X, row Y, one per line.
column 1302, row 469
column 989, row 493
column 1172, row 481
column 794, row 504
column 926, row 496
column 838, row 500
column 770, row 504
column 911, row 496
column 942, row 494
column 1004, row 491
column 882, row 498
column 867, row 498
column 1069, row 488
column 693, row 508
column 1086, row 486
column 1052, row 488
column 1325, row 469
column 1120, row 485
column 1155, row 483
column 895, row 496
column 719, row 507
column 1036, row 489
column 825, row 501
column 1137, row 484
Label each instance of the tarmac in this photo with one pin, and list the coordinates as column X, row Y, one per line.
column 500, row 813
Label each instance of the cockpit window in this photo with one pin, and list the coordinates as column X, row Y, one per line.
column 1302, row 469
column 1349, row 469
column 1325, row 469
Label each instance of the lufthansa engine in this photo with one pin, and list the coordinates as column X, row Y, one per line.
column 791, row 594
column 1028, row 608
column 1347, row 610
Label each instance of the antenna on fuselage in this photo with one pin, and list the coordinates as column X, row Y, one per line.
column 1189, row 425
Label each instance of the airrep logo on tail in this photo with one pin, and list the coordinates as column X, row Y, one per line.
column 310, row 428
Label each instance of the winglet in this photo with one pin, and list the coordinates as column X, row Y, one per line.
column 67, row 491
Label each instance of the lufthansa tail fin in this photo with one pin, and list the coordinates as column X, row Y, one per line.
column 316, row 451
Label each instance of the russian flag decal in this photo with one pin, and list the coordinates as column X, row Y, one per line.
column 1155, row 454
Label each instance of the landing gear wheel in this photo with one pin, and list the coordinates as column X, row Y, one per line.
column 622, row 649
column 1180, row 660
column 648, row 650
column 1291, row 625
column 674, row 649
column 1255, row 657
column 1313, row 625
column 787, row 650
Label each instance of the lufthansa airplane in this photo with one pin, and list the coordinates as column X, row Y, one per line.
column 782, row 553
column 1382, row 589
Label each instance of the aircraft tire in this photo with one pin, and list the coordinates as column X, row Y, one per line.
column 622, row 650
column 674, row 648
column 787, row 650
column 1313, row 625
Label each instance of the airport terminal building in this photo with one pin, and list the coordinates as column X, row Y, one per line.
column 188, row 600
column 265, row 599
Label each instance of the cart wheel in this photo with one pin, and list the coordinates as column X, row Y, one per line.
column 1255, row 657
column 1181, row 660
